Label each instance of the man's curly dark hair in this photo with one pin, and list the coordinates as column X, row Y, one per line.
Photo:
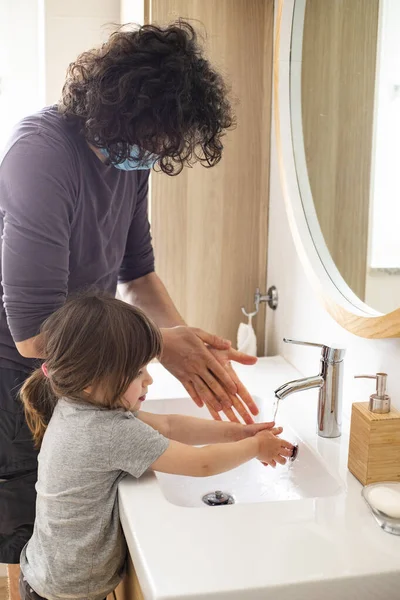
column 153, row 88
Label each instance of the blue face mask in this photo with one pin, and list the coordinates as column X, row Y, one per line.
column 133, row 163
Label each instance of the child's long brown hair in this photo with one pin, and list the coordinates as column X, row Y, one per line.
column 93, row 341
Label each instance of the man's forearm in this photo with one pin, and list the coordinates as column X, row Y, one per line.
column 150, row 294
column 31, row 348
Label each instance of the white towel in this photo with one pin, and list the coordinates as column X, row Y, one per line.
column 246, row 339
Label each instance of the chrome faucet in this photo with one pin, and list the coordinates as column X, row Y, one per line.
column 329, row 382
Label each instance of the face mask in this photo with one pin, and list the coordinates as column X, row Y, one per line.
column 133, row 163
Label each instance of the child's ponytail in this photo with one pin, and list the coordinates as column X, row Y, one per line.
column 39, row 402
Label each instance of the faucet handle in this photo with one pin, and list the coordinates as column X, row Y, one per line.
column 296, row 342
column 332, row 353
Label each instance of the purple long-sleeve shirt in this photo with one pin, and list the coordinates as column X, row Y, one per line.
column 67, row 222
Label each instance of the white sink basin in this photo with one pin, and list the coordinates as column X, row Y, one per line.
column 303, row 533
column 306, row 477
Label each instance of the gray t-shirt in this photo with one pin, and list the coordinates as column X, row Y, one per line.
column 67, row 222
column 77, row 550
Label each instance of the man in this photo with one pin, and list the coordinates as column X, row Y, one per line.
column 73, row 214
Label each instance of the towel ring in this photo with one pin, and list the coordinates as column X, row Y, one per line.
column 271, row 298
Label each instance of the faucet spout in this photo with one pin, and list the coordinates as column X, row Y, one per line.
column 299, row 385
column 330, row 383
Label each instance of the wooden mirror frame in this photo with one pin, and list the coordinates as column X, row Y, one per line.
column 338, row 299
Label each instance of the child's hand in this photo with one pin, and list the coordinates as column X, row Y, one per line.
column 254, row 428
column 272, row 449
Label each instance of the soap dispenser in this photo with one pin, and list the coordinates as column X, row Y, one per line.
column 374, row 451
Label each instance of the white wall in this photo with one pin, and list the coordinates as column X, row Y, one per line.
column 300, row 315
column 71, row 28
column 54, row 33
column 132, row 11
column 21, row 63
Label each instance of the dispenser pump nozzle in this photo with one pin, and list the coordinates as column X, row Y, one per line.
column 380, row 401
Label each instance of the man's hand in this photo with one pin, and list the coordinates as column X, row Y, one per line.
column 225, row 357
column 201, row 362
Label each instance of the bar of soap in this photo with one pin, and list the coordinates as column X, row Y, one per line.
column 386, row 501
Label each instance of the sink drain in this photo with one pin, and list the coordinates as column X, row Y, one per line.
column 294, row 453
column 218, row 498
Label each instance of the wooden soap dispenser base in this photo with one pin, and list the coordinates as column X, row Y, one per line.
column 374, row 450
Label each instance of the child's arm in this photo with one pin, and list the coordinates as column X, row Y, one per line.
column 218, row 458
column 196, row 432
column 158, row 422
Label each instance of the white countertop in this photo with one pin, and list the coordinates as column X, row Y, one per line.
column 327, row 547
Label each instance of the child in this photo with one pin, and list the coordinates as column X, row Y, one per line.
column 83, row 409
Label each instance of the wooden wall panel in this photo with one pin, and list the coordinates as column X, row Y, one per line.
column 210, row 225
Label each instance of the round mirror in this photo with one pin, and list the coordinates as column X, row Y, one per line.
column 344, row 76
